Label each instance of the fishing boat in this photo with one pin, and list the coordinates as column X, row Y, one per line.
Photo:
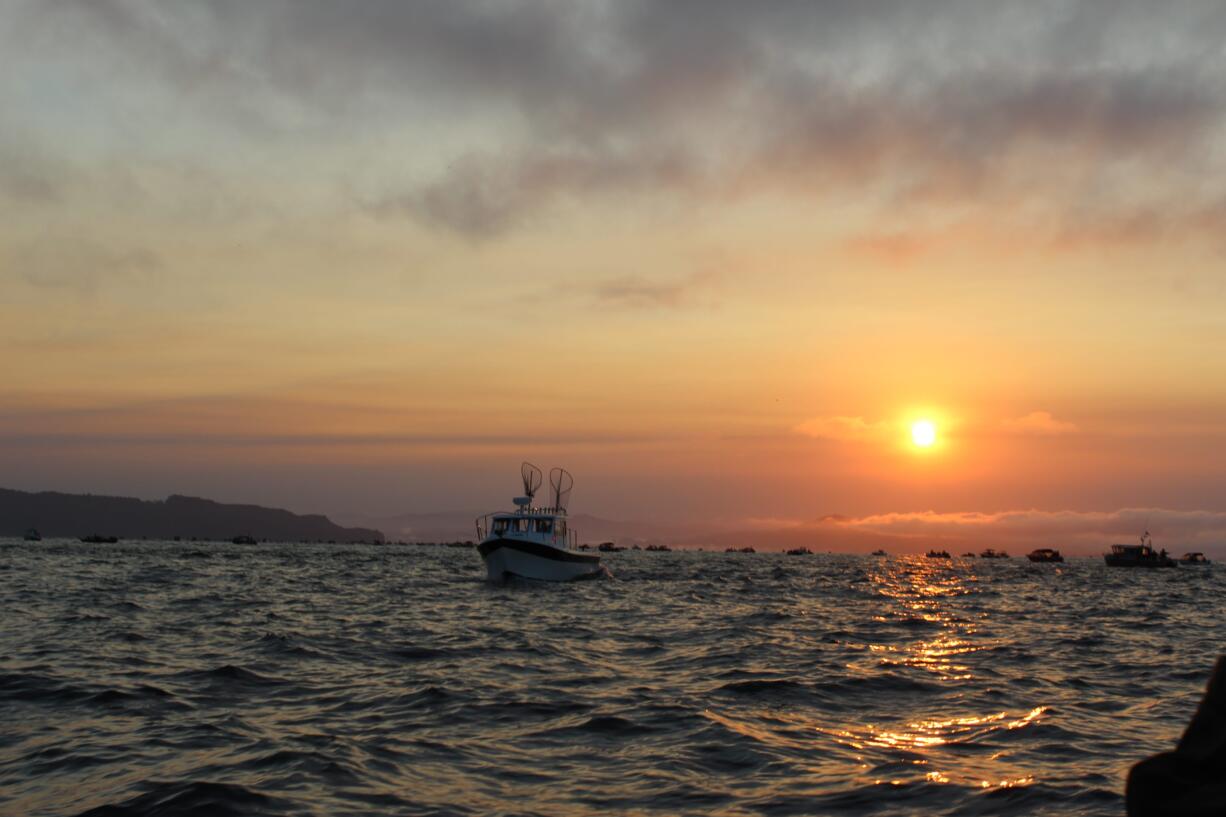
column 32, row 535
column 1193, row 559
column 1045, row 555
column 535, row 543
column 879, row 552
column 937, row 554
column 1142, row 555
column 993, row 554
column 800, row 551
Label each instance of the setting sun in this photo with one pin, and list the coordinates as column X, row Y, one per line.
column 923, row 433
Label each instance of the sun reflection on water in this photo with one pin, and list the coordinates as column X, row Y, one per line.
column 913, row 631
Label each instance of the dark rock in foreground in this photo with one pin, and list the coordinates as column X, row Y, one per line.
column 74, row 515
column 1192, row 779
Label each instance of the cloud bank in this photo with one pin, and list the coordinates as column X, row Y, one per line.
column 1076, row 532
column 955, row 103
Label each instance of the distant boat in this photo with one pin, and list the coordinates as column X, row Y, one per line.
column 968, row 555
column 658, row 548
column 879, row 553
column 1193, row 559
column 1142, row 555
column 993, row 554
column 937, row 554
column 740, row 550
column 95, row 539
column 1045, row 555
column 244, row 540
column 610, row 547
column 800, row 551
column 535, row 543
column 32, row 535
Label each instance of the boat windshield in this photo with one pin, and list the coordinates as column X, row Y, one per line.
column 511, row 525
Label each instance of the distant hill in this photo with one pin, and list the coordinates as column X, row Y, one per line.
column 72, row 515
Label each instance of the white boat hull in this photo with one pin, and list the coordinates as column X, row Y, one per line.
column 510, row 558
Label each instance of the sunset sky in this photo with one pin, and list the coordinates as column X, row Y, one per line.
column 714, row 257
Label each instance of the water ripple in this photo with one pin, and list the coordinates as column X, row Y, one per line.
column 163, row 678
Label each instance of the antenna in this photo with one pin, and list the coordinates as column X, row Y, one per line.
column 532, row 477
column 562, row 482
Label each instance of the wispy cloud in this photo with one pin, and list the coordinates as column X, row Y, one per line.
column 844, row 429
column 637, row 291
column 1038, row 422
column 78, row 264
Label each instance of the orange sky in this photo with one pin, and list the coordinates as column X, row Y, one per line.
column 367, row 261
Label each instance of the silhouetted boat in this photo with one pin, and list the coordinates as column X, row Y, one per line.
column 800, row 551
column 535, row 543
column 243, row 540
column 1142, row 555
column 880, row 553
column 609, row 547
column 95, row 539
column 937, row 554
column 993, row 554
column 658, row 548
column 32, row 535
column 1045, row 555
column 740, row 550
column 968, row 555
column 1193, row 559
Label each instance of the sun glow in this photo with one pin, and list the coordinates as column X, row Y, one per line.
column 923, row 433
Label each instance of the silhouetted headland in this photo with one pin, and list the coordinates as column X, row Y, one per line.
column 74, row 515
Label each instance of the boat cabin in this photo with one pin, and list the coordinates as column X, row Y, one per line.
column 545, row 525
column 1134, row 551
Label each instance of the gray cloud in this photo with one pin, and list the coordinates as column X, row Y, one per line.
column 922, row 101
column 632, row 291
column 78, row 264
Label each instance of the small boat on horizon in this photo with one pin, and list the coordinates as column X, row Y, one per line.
column 740, row 550
column 879, row 552
column 994, row 554
column 243, row 540
column 96, row 539
column 968, row 555
column 1045, row 555
column 1194, row 558
column 535, row 543
column 800, row 551
column 937, row 554
column 658, row 548
column 1142, row 555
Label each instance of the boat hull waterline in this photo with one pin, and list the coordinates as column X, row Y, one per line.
column 511, row 558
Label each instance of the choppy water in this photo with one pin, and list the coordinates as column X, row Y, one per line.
column 217, row 679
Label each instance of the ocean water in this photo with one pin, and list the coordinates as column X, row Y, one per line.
column 211, row 679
